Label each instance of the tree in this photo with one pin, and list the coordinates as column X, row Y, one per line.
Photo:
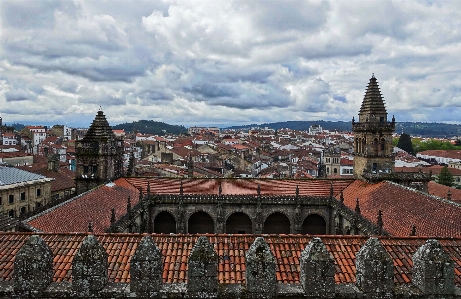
column 445, row 177
column 405, row 143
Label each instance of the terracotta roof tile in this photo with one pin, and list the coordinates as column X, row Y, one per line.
column 404, row 207
column 95, row 206
column 239, row 186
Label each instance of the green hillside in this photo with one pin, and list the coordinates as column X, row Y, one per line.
column 150, row 127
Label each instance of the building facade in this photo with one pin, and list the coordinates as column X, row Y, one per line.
column 22, row 191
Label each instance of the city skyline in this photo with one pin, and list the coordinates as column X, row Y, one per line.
column 227, row 63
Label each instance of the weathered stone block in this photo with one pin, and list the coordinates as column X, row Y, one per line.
column 202, row 268
column 374, row 270
column 317, row 270
column 146, row 268
column 260, row 270
column 433, row 269
column 33, row 266
column 89, row 267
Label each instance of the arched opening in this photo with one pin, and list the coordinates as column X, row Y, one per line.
column 239, row 223
column 382, row 145
column 164, row 223
column 314, row 225
column 276, row 223
column 335, row 170
column 200, row 223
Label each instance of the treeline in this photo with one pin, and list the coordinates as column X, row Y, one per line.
column 150, row 127
column 418, row 145
column 412, row 128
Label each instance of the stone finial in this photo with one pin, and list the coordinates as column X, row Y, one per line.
column 202, row 272
column 260, row 270
column 113, row 219
column 317, row 270
column 341, row 197
column 89, row 267
column 297, row 191
column 331, row 190
column 449, row 194
column 357, row 206
column 90, row 227
column 413, row 230
column 433, row 269
column 146, row 269
column 380, row 222
column 259, row 190
column 374, row 269
column 148, row 188
column 220, row 188
column 128, row 205
column 33, row 266
column 181, row 189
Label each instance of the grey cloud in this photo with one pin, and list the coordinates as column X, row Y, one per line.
column 102, row 100
column 19, row 95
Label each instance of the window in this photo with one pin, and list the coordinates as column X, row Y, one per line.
column 11, row 213
column 95, row 169
column 23, row 195
column 23, row 210
column 85, row 169
column 1, row 202
column 11, row 198
column 39, row 192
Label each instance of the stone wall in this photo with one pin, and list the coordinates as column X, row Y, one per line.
column 433, row 274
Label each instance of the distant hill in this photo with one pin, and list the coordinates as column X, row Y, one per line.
column 412, row 128
column 150, row 127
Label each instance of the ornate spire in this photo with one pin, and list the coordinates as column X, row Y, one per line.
column 341, row 197
column 373, row 107
column 99, row 129
column 128, row 205
column 90, row 227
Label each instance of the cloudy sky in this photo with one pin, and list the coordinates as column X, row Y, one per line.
column 227, row 62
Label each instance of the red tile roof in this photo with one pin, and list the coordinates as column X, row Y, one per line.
column 403, row 207
column 94, row 206
column 239, row 186
column 442, row 190
column 231, row 252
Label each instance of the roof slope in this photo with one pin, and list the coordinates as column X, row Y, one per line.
column 404, row 207
column 11, row 175
column 239, row 186
column 95, row 206
column 231, row 252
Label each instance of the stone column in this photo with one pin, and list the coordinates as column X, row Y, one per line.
column 260, row 270
column 33, row 267
column 317, row 270
column 374, row 270
column 202, row 272
column 433, row 269
column 89, row 268
column 146, row 269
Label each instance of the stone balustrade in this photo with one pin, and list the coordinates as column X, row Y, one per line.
column 433, row 273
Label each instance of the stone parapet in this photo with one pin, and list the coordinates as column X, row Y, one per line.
column 433, row 274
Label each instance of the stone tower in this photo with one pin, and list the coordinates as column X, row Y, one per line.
column 99, row 156
column 373, row 135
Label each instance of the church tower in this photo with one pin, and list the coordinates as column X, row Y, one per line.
column 99, row 156
column 373, row 135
